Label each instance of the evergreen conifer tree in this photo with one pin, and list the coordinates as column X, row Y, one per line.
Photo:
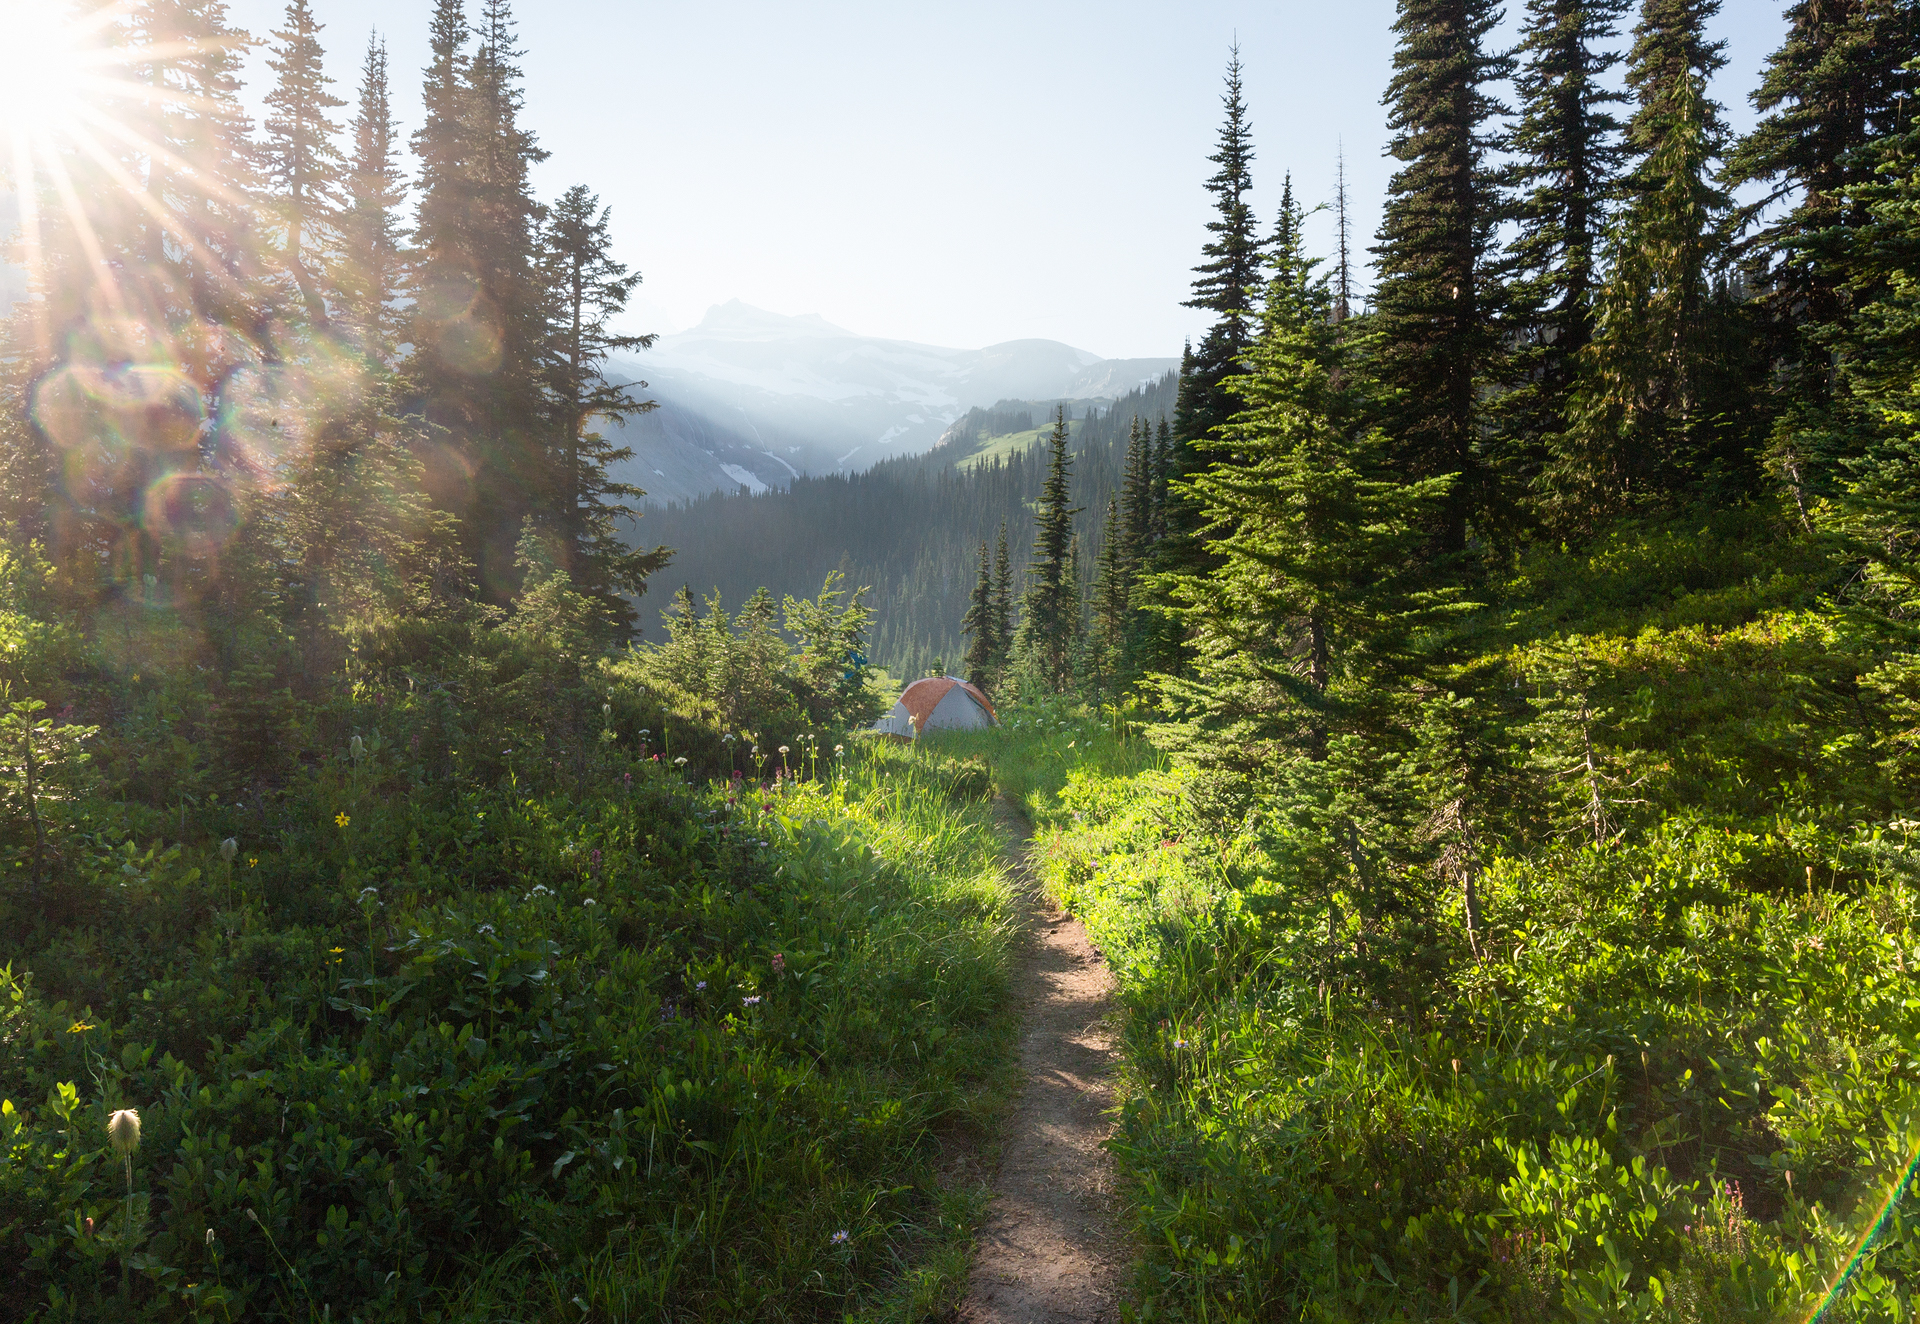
column 1837, row 84
column 1224, row 285
column 1439, row 301
column 1050, row 613
column 1302, row 624
column 589, row 288
column 370, row 273
column 1107, row 642
column 1570, row 153
column 1643, row 408
column 1136, row 502
column 1003, row 632
column 478, row 325
column 978, row 626
column 302, row 162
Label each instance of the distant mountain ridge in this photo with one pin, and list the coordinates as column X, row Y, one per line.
column 752, row 399
column 908, row 528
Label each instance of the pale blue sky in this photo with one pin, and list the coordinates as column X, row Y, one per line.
column 958, row 175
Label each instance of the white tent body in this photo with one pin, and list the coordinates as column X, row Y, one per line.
column 938, row 703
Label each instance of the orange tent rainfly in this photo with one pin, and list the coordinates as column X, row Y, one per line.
column 938, row 703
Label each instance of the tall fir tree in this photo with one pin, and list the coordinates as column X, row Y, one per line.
column 1107, row 632
column 479, row 325
column 1050, row 614
column 1569, row 153
column 1161, row 464
column 303, row 164
column 589, row 288
column 1136, row 501
column 1645, row 408
column 1837, row 84
column 1301, row 627
column 1343, row 233
column 371, row 273
column 1439, row 300
column 1873, row 509
column 1224, row 285
column 1003, row 631
column 978, row 626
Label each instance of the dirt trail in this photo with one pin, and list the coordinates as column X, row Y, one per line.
column 1051, row 1250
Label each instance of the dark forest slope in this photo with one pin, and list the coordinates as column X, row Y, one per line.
column 909, row 528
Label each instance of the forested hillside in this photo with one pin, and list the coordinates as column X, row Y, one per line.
column 910, row 529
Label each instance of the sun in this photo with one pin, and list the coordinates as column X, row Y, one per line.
column 44, row 68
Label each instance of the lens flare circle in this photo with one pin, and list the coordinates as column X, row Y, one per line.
column 146, row 407
column 194, row 511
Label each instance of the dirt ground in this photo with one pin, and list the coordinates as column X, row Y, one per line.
column 1051, row 1250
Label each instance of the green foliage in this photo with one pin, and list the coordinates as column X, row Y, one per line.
column 488, row 1010
column 1535, row 1023
column 738, row 693
column 1050, row 618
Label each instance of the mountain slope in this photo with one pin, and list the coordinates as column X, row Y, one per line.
column 755, row 399
column 908, row 528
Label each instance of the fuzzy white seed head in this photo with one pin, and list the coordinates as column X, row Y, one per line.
column 229, row 848
column 358, row 748
column 123, row 1131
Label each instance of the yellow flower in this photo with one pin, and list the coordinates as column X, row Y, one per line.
column 252, row 860
column 336, row 950
column 78, row 1027
column 341, row 819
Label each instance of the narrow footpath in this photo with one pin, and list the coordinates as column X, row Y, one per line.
column 1051, row 1250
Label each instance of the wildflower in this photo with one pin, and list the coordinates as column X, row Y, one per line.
column 680, row 762
column 369, row 893
column 252, row 860
column 700, row 986
column 840, row 1237
column 1179, row 1043
column 228, row 849
column 486, row 928
column 209, row 1236
column 645, row 732
column 779, row 964
column 606, row 711
column 357, row 748
column 79, row 1027
column 839, row 749
column 123, row 1131
column 748, row 1002
column 783, row 749
column 588, row 902
column 342, row 818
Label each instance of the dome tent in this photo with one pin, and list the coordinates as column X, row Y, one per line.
column 938, row 703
